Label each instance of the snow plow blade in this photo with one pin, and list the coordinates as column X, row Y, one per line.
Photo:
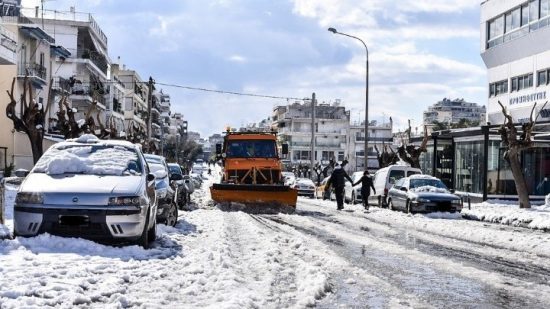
column 254, row 194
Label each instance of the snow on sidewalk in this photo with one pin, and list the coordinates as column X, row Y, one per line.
column 502, row 212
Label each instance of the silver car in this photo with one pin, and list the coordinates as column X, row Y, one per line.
column 422, row 193
column 99, row 190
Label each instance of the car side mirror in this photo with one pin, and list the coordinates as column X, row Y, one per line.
column 452, row 191
column 176, row 177
column 21, row 172
column 150, row 177
column 218, row 149
column 284, row 149
column 403, row 189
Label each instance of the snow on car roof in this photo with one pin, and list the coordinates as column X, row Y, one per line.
column 421, row 176
column 93, row 140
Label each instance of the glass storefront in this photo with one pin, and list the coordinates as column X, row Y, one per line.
column 469, row 166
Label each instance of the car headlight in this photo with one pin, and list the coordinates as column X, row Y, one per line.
column 456, row 202
column 161, row 193
column 29, row 198
column 422, row 200
column 125, row 201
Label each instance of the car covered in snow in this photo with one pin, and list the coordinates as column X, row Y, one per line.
column 181, row 183
column 288, row 178
column 305, row 187
column 167, row 212
column 422, row 193
column 89, row 188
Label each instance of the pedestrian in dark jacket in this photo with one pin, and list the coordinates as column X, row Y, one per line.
column 366, row 183
column 338, row 181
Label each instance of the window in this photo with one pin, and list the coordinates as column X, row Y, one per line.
column 498, row 88
column 544, row 8
column 496, row 28
column 542, row 77
column 533, row 10
column 524, row 15
column 340, row 156
column 522, row 82
column 513, row 20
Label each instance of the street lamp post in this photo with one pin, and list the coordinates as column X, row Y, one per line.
column 366, row 93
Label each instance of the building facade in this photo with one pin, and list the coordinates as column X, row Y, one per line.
column 515, row 46
column 294, row 124
column 380, row 134
column 453, row 111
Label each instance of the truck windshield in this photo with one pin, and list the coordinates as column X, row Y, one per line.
column 251, row 149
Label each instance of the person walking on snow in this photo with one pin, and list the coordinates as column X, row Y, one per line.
column 366, row 183
column 338, row 181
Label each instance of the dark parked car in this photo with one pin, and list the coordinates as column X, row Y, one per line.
column 166, row 196
column 99, row 190
column 180, row 183
column 422, row 193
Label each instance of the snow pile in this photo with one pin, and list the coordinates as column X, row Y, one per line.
column 112, row 160
column 547, row 200
column 537, row 217
column 429, row 189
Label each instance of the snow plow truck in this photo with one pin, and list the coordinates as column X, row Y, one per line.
column 252, row 173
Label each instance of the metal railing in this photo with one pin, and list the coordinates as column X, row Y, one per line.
column 32, row 70
column 60, row 83
column 96, row 58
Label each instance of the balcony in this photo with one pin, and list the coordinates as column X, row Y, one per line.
column 96, row 58
column 35, row 72
column 8, row 47
column 61, row 84
column 90, row 92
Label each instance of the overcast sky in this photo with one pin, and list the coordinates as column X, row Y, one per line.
column 421, row 51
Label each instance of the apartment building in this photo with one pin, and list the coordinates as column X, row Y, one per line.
column 453, row 111
column 380, row 134
column 293, row 122
column 136, row 96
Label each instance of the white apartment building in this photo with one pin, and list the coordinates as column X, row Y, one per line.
column 515, row 46
column 293, row 122
column 380, row 134
column 452, row 111
column 136, row 96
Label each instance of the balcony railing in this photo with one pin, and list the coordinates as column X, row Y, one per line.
column 96, row 58
column 91, row 90
column 61, row 84
column 33, row 70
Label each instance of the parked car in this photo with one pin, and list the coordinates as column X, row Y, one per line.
column 98, row 190
column 384, row 179
column 167, row 212
column 288, row 178
column 422, row 193
column 197, row 168
column 305, row 187
column 177, row 182
column 197, row 180
column 320, row 191
column 352, row 194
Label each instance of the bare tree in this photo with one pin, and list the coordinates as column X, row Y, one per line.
column 386, row 158
column 515, row 143
column 411, row 153
column 31, row 119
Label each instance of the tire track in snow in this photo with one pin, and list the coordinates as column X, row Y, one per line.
column 409, row 272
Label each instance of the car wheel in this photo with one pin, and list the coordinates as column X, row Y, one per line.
column 144, row 238
column 390, row 204
column 408, row 207
column 172, row 216
column 379, row 201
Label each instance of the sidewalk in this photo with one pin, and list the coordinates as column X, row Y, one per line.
column 509, row 213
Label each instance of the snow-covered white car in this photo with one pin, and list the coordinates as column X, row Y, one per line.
column 99, row 190
column 422, row 193
column 305, row 187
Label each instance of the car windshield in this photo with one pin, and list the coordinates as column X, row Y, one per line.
column 174, row 169
column 426, row 184
column 89, row 159
column 252, row 149
column 151, row 159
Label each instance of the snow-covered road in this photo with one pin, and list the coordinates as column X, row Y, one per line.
column 315, row 257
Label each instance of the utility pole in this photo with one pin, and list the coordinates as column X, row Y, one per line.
column 312, row 133
column 149, row 107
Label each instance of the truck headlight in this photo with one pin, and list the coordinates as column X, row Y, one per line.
column 29, row 198
column 125, row 201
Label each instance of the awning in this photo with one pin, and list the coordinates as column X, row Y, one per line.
column 37, row 33
column 60, row 51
